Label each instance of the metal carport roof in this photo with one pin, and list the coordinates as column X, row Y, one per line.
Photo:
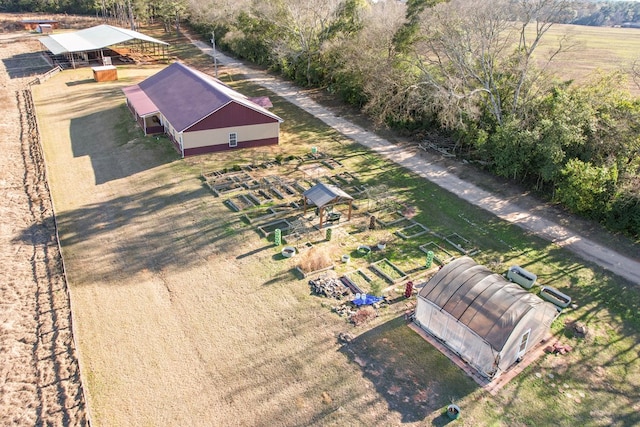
column 93, row 38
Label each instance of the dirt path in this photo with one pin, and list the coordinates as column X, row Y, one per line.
column 39, row 375
column 519, row 213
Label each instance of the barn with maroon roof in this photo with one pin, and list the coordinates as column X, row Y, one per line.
column 199, row 113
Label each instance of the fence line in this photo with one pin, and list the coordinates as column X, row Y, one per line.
column 36, row 132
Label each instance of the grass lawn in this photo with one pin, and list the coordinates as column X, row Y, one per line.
column 186, row 315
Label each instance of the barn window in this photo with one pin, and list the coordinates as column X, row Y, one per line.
column 233, row 139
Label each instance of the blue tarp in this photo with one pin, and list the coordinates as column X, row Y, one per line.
column 366, row 300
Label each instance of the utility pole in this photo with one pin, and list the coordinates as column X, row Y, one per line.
column 215, row 60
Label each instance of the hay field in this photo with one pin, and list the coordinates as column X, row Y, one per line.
column 591, row 50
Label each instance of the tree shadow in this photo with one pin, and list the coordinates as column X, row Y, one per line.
column 414, row 384
column 108, row 160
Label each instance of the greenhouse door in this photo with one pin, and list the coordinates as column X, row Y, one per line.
column 523, row 343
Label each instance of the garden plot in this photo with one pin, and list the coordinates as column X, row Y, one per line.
column 278, row 187
column 253, row 184
column 346, row 177
column 242, row 202
column 332, row 163
column 270, row 227
column 260, row 215
column 359, row 279
column 355, row 190
column 440, row 254
column 226, row 183
column 388, row 271
column 387, row 218
column 302, row 186
column 330, row 179
column 412, row 230
column 401, row 224
column 260, row 197
column 461, row 244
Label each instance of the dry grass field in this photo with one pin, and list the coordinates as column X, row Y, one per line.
column 184, row 315
column 592, row 50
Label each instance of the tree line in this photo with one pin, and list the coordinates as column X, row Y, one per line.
column 476, row 71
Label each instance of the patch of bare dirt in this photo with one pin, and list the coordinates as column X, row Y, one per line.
column 39, row 373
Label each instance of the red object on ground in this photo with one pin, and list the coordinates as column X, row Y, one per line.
column 408, row 289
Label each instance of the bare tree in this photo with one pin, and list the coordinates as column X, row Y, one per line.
column 301, row 25
column 477, row 56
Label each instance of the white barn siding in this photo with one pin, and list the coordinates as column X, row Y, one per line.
column 203, row 138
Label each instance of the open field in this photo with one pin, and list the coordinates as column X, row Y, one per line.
column 186, row 315
column 592, row 49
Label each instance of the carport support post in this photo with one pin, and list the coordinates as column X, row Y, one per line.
column 321, row 215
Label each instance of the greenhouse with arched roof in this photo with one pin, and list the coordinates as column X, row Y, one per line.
column 488, row 321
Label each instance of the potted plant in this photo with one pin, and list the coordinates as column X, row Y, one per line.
column 453, row 411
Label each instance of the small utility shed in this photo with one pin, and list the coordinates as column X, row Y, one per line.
column 199, row 113
column 488, row 321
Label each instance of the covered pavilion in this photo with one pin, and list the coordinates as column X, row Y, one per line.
column 80, row 47
column 325, row 196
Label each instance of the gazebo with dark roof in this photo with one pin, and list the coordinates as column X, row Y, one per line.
column 322, row 195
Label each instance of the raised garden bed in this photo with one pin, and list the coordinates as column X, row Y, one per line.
column 302, row 186
column 302, row 273
column 260, row 215
column 522, row 277
column 252, row 184
column 348, row 282
column 241, row 202
column 260, row 197
column 346, row 177
column 414, row 230
column 332, row 163
column 389, row 218
column 440, row 254
column 360, row 279
column 388, row 271
column 461, row 244
column 221, row 189
column 270, row 227
column 555, row 296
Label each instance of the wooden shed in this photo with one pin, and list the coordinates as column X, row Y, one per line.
column 105, row 73
column 33, row 24
column 199, row 113
column 45, row 28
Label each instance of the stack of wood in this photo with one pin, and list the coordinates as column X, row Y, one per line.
column 329, row 287
column 344, row 310
column 558, row 348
